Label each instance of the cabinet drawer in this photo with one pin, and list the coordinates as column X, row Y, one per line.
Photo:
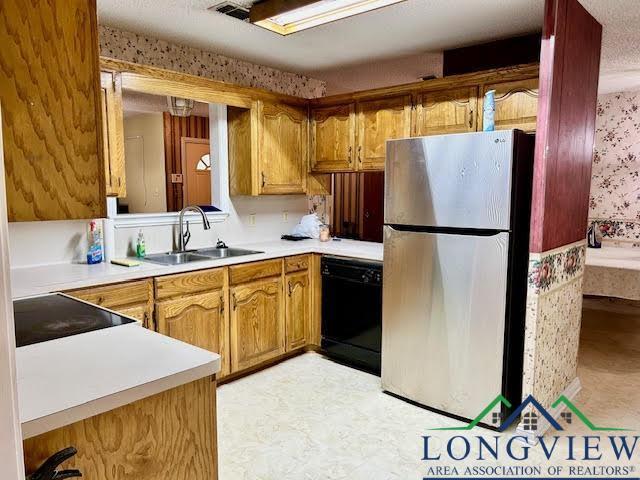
column 117, row 295
column 186, row 283
column 293, row 264
column 254, row 271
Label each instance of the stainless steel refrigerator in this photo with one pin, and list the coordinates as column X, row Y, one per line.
column 456, row 243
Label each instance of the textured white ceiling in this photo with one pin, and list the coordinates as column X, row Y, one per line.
column 407, row 28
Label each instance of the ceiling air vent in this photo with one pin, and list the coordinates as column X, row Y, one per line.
column 232, row 10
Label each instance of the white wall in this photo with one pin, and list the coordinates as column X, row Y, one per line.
column 144, row 162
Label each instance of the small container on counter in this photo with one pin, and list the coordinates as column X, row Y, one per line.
column 325, row 234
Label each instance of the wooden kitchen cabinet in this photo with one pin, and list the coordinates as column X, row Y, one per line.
column 446, row 111
column 113, row 134
column 51, row 114
column 297, row 309
column 191, row 307
column 257, row 332
column 134, row 299
column 282, row 148
column 333, row 138
column 193, row 319
column 379, row 121
column 516, row 104
column 268, row 146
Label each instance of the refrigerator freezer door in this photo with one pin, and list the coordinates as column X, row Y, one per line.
column 443, row 318
column 458, row 181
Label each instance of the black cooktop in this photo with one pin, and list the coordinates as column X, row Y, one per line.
column 39, row 319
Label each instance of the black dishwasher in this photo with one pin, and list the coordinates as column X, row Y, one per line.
column 352, row 311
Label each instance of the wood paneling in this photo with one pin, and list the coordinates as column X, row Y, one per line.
column 379, row 121
column 174, row 129
column 446, row 111
column 516, row 104
column 257, row 323
column 249, row 272
column 333, row 138
column 51, row 106
column 194, row 319
column 134, row 299
column 297, row 309
column 113, row 134
column 282, row 149
column 569, row 69
column 187, row 283
column 241, row 141
column 169, row 435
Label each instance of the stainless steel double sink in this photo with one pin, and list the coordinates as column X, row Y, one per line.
column 180, row 258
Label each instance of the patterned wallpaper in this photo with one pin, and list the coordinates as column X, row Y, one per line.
column 614, row 203
column 135, row 48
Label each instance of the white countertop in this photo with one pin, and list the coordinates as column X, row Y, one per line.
column 67, row 380
column 28, row 281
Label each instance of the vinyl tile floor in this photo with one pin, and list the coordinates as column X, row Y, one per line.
column 310, row 418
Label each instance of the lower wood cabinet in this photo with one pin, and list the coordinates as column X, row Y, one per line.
column 257, row 323
column 191, row 307
column 134, row 299
column 194, row 319
column 297, row 309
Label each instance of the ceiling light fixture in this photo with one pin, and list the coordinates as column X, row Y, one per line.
column 293, row 16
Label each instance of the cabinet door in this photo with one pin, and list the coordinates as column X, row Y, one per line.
column 379, row 121
column 297, row 309
column 193, row 319
column 50, row 97
column 446, row 111
column 283, row 149
column 333, row 138
column 257, row 323
column 113, row 134
column 516, row 104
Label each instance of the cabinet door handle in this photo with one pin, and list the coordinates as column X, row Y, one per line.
column 289, row 287
column 471, row 118
column 359, row 154
column 264, row 179
column 235, row 301
column 350, row 152
column 221, row 304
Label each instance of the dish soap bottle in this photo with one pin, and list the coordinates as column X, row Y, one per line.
column 94, row 240
column 141, row 249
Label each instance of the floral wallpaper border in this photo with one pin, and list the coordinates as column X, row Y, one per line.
column 626, row 231
column 135, row 48
column 550, row 270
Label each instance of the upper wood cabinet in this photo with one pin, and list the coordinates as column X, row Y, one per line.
column 257, row 323
column 113, row 134
column 333, row 138
column 379, row 121
column 446, row 111
column 134, row 299
column 50, row 96
column 282, row 132
column 516, row 104
column 268, row 149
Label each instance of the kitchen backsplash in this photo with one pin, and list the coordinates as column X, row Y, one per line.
column 142, row 49
column 614, row 203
